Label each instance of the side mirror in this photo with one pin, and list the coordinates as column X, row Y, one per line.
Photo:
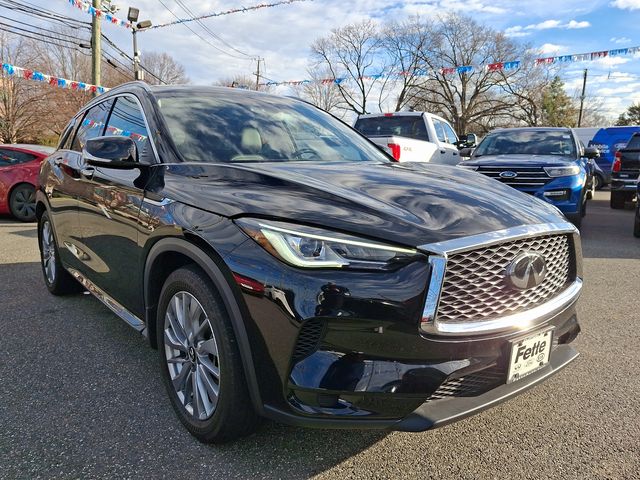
column 591, row 152
column 111, row 152
column 472, row 140
column 466, row 152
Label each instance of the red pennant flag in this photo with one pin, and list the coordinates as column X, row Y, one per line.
column 494, row 67
column 93, row 89
column 27, row 74
column 53, row 81
column 74, row 85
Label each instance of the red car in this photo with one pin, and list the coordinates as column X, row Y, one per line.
column 19, row 168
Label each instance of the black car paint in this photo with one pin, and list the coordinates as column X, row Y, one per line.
column 131, row 220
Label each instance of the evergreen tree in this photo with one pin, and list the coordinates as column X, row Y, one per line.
column 631, row 116
column 558, row 109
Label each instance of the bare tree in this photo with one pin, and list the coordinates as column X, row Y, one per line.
column 322, row 91
column 352, row 53
column 163, row 68
column 467, row 96
column 243, row 81
column 25, row 106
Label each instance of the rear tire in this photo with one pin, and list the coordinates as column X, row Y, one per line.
column 636, row 224
column 618, row 200
column 598, row 181
column 200, row 361
column 22, row 202
column 56, row 278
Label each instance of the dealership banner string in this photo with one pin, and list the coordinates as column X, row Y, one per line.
column 229, row 12
column 36, row 76
column 86, row 6
column 491, row 67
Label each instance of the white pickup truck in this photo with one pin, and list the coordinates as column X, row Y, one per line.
column 412, row 136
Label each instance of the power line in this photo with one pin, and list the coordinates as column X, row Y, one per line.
column 201, row 37
column 207, row 29
column 34, row 11
column 123, row 54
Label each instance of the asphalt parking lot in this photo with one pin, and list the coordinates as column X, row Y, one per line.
column 81, row 397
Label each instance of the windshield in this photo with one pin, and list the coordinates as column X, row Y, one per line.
column 634, row 143
column 409, row 126
column 237, row 126
column 527, row 142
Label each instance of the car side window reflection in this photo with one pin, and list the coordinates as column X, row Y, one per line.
column 127, row 120
column 92, row 125
column 12, row 157
column 439, row 130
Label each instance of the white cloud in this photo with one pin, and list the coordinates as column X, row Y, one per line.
column 549, row 48
column 522, row 31
column 620, row 40
column 626, row 4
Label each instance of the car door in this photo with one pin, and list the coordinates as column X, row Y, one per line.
column 448, row 152
column 65, row 184
column 109, row 211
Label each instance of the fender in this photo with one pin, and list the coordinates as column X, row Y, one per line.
column 214, row 272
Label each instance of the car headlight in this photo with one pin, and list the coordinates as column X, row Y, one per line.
column 310, row 247
column 468, row 167
column 562, row 171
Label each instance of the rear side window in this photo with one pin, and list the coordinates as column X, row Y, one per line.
column 14, row 157
column 92, row 125
column 451, row 135
column 127, row 120
column 408, row 126
column 67, row 136
column 634, row 143
column 440, row 133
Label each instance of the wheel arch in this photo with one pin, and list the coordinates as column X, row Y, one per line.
column 168, row 254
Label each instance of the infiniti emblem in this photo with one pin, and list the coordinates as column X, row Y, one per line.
column 527, row 270
column 508, row 174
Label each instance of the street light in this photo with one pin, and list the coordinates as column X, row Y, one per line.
column 132, row 16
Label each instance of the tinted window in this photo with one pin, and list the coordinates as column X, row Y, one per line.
column 451, row 135
column 127, row 120
column 244, row 127
column 527, row 142
column 92, row 124
column 399, row 126
column 634, row 143
column 440, row 133
column 13, row 157
column 67, row 136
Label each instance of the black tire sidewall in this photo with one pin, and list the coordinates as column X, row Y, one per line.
column 193, row 281
column 23, row 186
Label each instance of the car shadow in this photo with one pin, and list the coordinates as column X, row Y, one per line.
column 116, row 388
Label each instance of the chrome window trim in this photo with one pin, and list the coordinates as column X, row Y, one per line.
column 521, row 321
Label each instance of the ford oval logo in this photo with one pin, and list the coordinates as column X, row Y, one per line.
column 508, row 174
column 527, row 270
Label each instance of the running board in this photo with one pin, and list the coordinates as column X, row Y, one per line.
column 114, row 306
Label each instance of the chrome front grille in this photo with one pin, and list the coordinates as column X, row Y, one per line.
column 475, row 289
column 528, row 178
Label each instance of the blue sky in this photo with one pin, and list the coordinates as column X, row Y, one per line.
column 282, row 35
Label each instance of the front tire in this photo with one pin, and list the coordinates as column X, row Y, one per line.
column 56, row 278
column 22, row 202
column 199, row 358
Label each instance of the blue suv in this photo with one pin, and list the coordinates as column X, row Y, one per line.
column 549, row 163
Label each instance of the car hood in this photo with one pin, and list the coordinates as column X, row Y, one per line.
column 410, row 204
column 521, row 160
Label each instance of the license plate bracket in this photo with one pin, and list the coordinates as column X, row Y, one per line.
column 529, row 353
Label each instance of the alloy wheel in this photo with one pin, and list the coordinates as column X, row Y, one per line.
column 192, row 355
column 48, row 252
column 23, row 203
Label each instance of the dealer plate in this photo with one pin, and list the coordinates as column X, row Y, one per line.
column 529, row 354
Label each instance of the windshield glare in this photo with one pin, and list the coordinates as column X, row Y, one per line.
column 527, row 142
column 244, row 127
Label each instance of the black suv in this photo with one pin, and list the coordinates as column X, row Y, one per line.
column 625, row 172
column 285, row 267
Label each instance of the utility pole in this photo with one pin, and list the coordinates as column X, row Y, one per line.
column 258, row 75
column 96, row 45
column 584, row 88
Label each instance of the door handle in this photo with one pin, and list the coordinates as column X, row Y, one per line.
column 455, row 154
column 87, row 172
column 58, row 161
column 443, row 151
